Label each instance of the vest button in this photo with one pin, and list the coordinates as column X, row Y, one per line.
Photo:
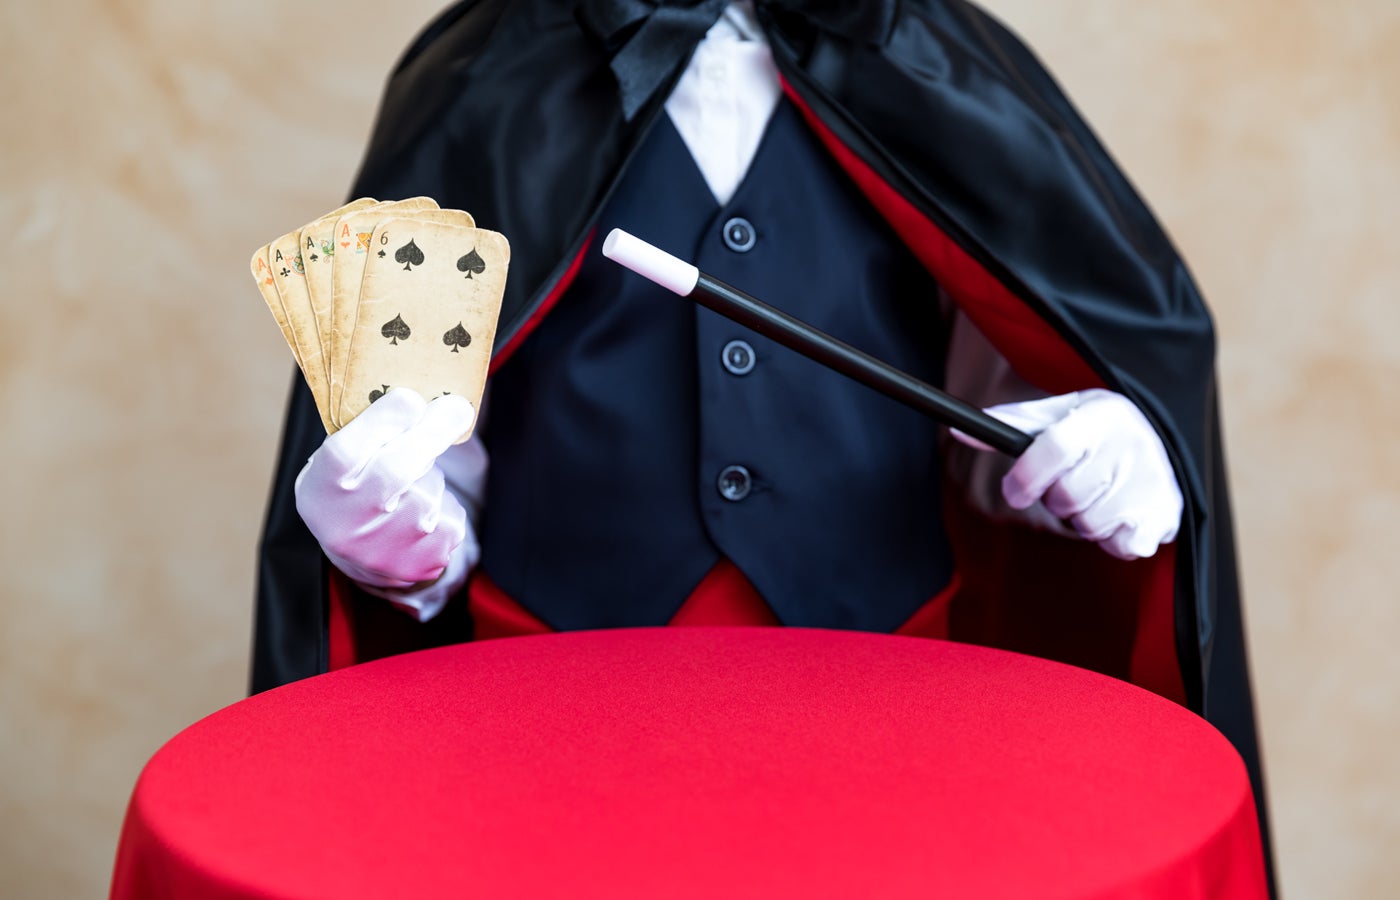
column 738, row 357
column 734, row 483
column 739, row 235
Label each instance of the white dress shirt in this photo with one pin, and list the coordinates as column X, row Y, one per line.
column 724, row 99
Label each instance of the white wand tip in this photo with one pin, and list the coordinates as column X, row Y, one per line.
column 650, row 262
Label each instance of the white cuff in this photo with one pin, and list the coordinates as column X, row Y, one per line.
column 426, row 602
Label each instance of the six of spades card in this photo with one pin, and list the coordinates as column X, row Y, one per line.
column 373, row 296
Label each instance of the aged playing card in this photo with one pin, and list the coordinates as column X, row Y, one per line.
column 262, row 274
column 352, row 235
column 289, row 276
column 429, row 301
column 317, row 251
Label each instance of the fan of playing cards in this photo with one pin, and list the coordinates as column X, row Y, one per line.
column 377, row 295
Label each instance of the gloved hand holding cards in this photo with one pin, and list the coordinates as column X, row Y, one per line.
column 373, row 296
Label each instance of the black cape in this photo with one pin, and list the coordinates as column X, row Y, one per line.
column 966, row 145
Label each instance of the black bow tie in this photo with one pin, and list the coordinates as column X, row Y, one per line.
column 650, row 39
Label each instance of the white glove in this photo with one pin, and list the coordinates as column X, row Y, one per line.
column 1097, row 463
column 375, row 498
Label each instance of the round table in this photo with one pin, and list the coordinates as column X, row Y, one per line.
column 696, row 762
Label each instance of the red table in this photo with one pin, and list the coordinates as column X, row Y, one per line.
column 696, row 762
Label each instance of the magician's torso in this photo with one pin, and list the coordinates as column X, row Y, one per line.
column 649, row 438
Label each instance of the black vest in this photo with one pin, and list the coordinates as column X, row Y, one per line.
column 636, row 438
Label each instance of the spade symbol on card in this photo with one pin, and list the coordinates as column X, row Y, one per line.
column 376, row 394
column 457, row 337
column 409, row 255
column 396, row 330
column 471, row 263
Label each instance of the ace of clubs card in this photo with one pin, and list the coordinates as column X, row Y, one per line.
column 289, row 276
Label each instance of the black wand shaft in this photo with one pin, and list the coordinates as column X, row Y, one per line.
column 797, row 335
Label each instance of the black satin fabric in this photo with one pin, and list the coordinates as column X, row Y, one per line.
column 289, row 639
column 646, row 37
column 512, row 110
column 643, row 38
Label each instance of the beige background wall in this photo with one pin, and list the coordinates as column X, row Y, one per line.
column 149, row 145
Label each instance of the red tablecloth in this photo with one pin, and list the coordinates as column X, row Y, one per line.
column 696, row 763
